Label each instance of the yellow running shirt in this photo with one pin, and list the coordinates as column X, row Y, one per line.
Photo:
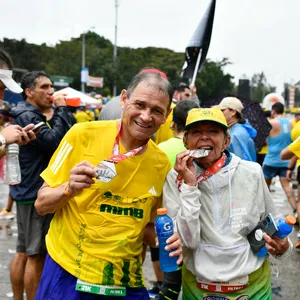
column 295, row 147
column 98, row 235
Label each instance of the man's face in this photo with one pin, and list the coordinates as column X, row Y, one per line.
column 144, row 112
column 40, row 95
column 207, row 135
column 185, row 95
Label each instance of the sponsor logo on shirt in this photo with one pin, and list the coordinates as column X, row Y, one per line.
column 122, row 211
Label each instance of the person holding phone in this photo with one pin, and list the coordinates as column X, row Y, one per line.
column 34, row 158
column 216, row 201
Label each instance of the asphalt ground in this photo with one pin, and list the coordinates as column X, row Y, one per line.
column 285, row 285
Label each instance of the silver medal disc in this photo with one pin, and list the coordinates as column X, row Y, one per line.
column 106, row 171
column 197, row 153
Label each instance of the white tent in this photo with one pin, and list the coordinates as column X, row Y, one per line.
column 85, row 99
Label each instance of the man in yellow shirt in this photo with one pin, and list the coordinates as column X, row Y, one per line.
column 82, row 116
column 104, row 184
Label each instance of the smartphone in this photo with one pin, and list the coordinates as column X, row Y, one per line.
column 255, row 237
column 37, row 126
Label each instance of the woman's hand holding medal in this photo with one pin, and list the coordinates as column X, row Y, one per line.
column 81, row 177
column 185, row 168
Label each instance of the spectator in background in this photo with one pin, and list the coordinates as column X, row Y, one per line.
column 241, row 132
column 279, row 138
column 82, row 116
column 28, row 262
column 181, row 92
column 8, row 133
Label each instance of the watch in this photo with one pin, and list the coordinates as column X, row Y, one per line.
column 2, row 140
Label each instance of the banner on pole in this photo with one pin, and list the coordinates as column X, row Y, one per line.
column 95, row 81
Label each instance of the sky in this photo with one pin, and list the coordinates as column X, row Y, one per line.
column 255, row 35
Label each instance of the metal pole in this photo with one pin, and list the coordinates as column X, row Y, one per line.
column 115, row 51
column 83, row 59
column 196, row 68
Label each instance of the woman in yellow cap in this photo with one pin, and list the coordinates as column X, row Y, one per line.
column 216, row 200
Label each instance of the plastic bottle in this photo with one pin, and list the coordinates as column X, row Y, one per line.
column 71, row 101
column 13, row 171
column 164, row 229
column 284, row 228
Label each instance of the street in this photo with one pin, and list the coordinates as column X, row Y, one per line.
column 285, row 286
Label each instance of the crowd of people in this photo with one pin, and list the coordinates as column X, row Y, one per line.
column 90, row 189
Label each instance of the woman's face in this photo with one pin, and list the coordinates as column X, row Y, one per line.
column 207, row 135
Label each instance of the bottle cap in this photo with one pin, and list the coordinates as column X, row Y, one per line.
column 162, row 211
column 291, row 220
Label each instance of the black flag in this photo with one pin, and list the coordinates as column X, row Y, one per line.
column 199, row 43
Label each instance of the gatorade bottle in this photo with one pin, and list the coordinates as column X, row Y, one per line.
column 164, row 229
column 285, row 227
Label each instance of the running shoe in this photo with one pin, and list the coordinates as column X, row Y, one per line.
column 6, row 215
column 156, row 288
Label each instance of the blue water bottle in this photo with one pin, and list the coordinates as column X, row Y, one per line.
column 164, row 229
column 284, row 228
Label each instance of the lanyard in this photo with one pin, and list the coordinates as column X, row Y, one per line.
column 116, row 155
column 216, row 167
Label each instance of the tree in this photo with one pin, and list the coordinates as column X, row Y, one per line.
column 260, row 87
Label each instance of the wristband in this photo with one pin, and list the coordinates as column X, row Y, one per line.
column 66, row 191
column 2, row 140
column 291, row 169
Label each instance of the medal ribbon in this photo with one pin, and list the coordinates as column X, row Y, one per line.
column 116, row 155
column 216, row 167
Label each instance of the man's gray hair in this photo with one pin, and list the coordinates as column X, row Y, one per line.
column 151, row 79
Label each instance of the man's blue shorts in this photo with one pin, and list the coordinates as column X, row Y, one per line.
column 271, row 172
column 57, row 284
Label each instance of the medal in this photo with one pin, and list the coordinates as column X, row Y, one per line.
column 106, row 171
column 197, row 153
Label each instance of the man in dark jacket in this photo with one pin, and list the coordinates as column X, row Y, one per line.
column 34, row 158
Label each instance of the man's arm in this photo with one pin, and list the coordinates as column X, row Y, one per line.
column 286, row 153
column 51, row 200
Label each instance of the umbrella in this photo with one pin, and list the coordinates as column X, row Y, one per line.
column 254, row 114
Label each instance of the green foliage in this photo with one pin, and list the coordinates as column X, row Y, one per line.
column 65, row 59
column 260, row 87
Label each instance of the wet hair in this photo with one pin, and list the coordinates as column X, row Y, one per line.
column 181, row 87
column 180, row 112
column 28, row 81
column 5, row 60
column 278, row 108
column 153, row 79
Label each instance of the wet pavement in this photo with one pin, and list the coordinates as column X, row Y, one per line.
column 285, row 286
